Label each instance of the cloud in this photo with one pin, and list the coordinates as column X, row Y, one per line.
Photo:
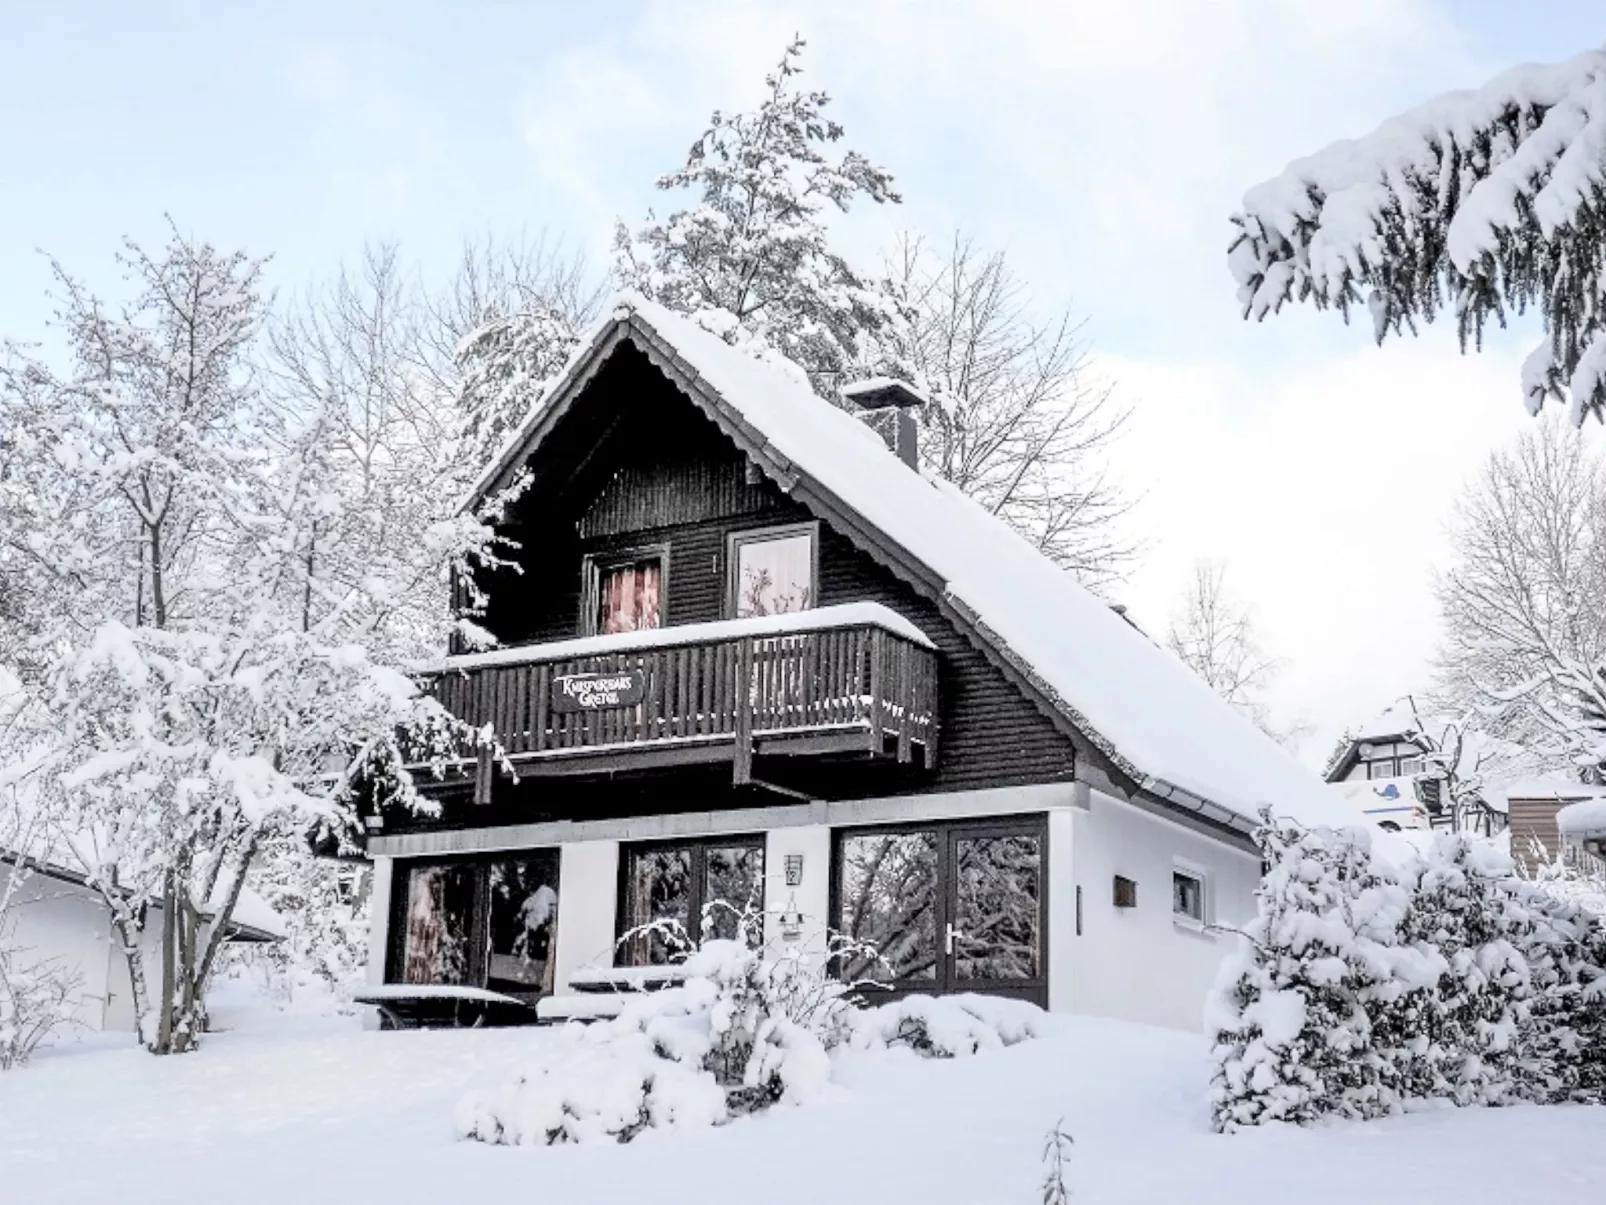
column 1104, row 144
column 1327, row 499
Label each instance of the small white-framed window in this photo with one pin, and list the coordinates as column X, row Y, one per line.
column 1188, row 902
column 1410, row 766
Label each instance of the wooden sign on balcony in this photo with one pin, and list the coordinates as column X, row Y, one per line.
column 597, row 692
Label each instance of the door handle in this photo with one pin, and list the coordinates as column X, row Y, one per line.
column 949, row 937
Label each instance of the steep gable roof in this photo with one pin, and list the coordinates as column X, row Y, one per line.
column 1157, row 723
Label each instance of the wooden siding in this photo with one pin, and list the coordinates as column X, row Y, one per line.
column 634, row 450
column 669, row 493
column 1534, row 821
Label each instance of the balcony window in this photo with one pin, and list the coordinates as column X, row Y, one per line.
column 773, row 571
column 624, row 592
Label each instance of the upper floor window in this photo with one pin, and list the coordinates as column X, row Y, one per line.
column 624, row 592
column 773, row 570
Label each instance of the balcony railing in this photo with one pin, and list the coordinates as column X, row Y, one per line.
column 856, row 678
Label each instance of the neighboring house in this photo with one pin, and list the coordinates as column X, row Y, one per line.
column 1383, row 769
column 1537, row 836
column 753, row 655
column 1377, row 770
column 54, row 917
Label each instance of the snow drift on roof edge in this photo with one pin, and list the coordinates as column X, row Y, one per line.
column 1138, row 698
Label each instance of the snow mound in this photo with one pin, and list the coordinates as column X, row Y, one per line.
column 742, row 1034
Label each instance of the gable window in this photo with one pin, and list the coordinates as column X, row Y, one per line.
column 1410, row 766
column 624, row 592
column 698, row 888
column 1187, row 895
column 773, row 571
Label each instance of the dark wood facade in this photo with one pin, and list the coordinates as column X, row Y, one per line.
column 635, row 464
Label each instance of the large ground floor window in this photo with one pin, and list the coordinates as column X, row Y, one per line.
column 950, row 907
column 696, row 888
column 484, row 922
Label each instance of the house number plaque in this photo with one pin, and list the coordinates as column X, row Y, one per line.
column 597, row 692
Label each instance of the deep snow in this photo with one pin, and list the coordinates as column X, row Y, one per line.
column 311, row 1111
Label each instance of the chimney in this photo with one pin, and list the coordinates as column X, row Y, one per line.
column 888, row 407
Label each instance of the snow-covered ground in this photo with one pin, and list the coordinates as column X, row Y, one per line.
column 299, row 1112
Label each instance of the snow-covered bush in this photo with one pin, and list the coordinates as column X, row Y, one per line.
column 38, row 997
column 1361, row 987
column 744, row 1032
column 1294, row 1034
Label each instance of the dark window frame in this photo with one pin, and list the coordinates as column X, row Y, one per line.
column 479, row 918
column 735, row 541
column 1202, row 888
column 696, row 889
column 949, row 832
column 594, row 564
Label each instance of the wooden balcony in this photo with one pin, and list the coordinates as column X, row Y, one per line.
column 855, row 679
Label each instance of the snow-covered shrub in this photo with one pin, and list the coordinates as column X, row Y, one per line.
column 1461, row 892
column 1362, row 987
column 606, row 1090
column 1292, row 1013
column 38, row 997
column 748, row 1029
column 947, row 1027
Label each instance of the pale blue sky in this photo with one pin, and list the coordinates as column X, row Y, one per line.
column 1103, row 144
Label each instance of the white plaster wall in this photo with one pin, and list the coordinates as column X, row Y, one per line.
column 50, row 919
column 1140, row 964
column 810, row 899
column 379, row 917
column 588, row 898
column 1061, row 876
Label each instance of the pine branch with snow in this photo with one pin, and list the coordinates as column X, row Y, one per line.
column 1483, row 203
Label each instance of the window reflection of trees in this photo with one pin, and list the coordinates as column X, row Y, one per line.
column 888, row 899
column 440, row 904
column 998, row 884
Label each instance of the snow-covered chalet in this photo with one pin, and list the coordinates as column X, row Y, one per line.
column 752, row 658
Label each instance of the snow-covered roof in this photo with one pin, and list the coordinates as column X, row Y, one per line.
column 1136, row 701
column 1397, row 719
column 1550, row 788
column 1586, row 819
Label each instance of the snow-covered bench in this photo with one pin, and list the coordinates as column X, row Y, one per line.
column 597, row 993
column 436, row 1006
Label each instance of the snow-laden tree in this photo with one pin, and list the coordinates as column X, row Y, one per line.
column 1483, row 203
column 1216, row 636
column 752, row 258
column 208, row 658
column 1019, row 419
column 1523, row 598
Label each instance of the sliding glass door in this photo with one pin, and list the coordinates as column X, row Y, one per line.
column 484, row 922
column 945, row 908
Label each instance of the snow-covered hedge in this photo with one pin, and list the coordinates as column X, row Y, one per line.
column 1361, row 988
column 743, row 1033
